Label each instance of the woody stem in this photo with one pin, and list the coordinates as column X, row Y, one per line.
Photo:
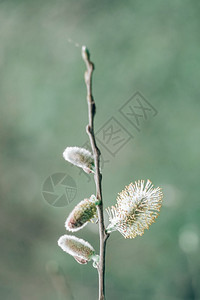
column 103, row 236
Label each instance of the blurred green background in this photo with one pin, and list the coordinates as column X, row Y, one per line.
column 147, row 46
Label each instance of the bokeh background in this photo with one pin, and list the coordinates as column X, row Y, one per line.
column 147, row 46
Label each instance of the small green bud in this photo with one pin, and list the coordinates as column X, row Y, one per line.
column 82, row 213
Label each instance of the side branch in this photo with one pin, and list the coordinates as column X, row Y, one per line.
column 97, row 176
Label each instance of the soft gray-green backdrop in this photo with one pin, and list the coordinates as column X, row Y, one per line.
column 147, row 46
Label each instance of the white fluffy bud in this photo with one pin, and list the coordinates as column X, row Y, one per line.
column 80, row 157
column 81, row 250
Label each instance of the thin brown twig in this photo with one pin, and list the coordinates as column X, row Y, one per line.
column 97, row 176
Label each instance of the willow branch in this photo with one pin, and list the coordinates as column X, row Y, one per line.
column 97, row 176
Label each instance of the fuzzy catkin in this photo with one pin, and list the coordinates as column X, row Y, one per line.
column 80, row 249
column 80, row 157
column 136, row 209
column 82, row 213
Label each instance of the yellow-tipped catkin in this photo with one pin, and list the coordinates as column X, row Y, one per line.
column 136, row 209
column 80, row 157
column 82, row 214
column 81, row 250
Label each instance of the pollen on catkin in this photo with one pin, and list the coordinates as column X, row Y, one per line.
column 80, row 157
column 80, row 249
column 82, row 213
column 136, row 209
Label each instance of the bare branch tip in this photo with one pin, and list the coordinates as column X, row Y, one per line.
column 85, row 54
